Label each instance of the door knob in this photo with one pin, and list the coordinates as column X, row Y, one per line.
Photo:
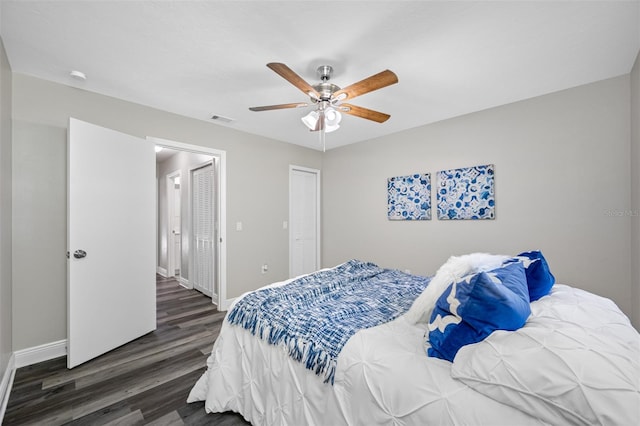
column 79, row 254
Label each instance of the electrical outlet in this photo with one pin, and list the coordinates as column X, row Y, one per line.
column 265, row 268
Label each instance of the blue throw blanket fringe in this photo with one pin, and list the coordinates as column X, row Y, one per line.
column 314, row 316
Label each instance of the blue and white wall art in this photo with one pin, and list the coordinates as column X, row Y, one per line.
column 466, row 193
column 409, row 197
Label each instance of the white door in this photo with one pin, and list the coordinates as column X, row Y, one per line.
column 174, row 243
column 304, row 218
column 176, row 221
column 111, row 240
column 203, row 230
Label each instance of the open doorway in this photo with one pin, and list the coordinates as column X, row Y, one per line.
column 190, row 241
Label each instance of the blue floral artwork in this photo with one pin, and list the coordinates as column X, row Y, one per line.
column 409, row 197
column 466, row 193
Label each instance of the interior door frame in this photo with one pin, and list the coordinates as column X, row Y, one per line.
column 171, row 193
column 316, row 172
column 221, row 170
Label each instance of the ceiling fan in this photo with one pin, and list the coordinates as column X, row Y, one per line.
column 329, row 98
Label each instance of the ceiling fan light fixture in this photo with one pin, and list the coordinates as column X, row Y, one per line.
column 333, row 115
column 311, row 120
column 328, row 128
column 332, row 119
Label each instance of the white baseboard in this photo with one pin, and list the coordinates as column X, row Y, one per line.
column 161, row 271
column 40, row 353
column 6, row 384
column 23, row 358
column 184, row 282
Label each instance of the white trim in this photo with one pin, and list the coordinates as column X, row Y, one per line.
column 318, row 218
column 23, row 358
column 6, row 385
column 36, row 354
column 161, row 271
column 222, row 205
column 184, row 282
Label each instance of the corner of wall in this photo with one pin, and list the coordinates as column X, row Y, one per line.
column 635, row 192
column 6, row 309
column 6, row 323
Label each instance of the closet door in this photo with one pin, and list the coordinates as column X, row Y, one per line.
column 304, row 218
column 203, row 222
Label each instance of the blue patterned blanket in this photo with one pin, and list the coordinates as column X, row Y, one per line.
column 314, row 316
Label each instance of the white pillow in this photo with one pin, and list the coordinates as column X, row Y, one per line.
column 576, row 361
column 452, row 270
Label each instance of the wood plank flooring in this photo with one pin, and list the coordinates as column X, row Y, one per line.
column 143, row 382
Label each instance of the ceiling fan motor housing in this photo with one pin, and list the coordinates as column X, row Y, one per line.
column 325, row 89
column 325, row 72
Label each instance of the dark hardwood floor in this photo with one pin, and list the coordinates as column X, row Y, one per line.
column 143, row 382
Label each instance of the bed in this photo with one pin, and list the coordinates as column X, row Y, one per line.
column 566, row 356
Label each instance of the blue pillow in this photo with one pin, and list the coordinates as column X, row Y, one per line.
column 539, row 277
column 474, row 307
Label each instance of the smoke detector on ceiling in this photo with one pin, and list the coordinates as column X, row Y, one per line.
column 78, row 75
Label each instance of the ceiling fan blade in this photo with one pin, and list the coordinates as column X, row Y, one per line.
column 287, row 73
column 361, row 112
column 281, row 106
column 369, row 84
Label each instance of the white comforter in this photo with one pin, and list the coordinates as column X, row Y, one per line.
column 575, row 361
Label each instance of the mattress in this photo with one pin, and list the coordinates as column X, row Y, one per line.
column 576, row 361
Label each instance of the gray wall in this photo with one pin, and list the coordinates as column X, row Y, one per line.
column 562, row 177
column 635, row 191
column 257, row 195
column 39, row 233
column 182, row 161
column 5, row 211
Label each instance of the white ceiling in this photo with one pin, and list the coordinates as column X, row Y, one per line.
column 200, row 58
